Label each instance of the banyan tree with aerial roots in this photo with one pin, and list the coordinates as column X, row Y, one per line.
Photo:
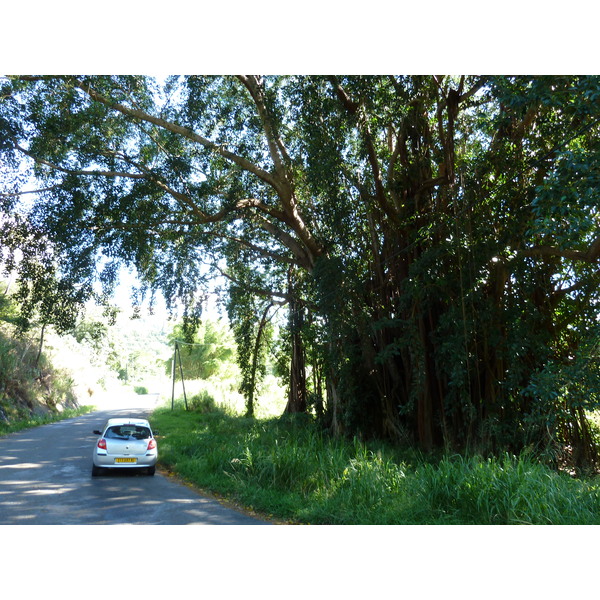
column 434, row 240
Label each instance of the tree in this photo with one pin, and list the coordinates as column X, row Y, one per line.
column 45, row 296
column 249, row 316
column 441, row 230
column 207, row 353
column 455, row 304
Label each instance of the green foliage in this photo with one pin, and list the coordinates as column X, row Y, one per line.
column 438, row 233
column 253, row 332
column 202, row 402
column 43, row 293
column 209, row 352
column 8, row 309
column 134, row 349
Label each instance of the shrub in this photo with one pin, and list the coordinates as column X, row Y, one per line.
column 202, row 402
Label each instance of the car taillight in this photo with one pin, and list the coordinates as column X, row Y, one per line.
column 152, row 444
column 102, row 444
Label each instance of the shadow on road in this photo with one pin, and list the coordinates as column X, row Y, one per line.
column 45, row 478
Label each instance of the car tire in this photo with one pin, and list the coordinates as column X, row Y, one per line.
column 96, row 471
column 151, row 470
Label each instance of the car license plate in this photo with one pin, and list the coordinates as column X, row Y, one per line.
column 125, row 460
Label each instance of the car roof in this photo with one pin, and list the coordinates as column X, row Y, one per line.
column 125, row 421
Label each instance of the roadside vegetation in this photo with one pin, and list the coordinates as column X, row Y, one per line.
column 46, row 376
column 33, row 391
column 36, row 420
column 286, row 468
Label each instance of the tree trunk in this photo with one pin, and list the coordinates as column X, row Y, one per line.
column 255, row 354
column 333, row 402
column 39, row 354
column 297, row 392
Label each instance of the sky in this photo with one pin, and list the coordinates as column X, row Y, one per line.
column 464, row 36
column 128, row 281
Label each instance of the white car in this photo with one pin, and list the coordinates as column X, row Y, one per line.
column 125, row 444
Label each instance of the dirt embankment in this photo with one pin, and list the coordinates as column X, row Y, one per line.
column 29, row 384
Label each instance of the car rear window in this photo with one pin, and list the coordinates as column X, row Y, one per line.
column 125, row 432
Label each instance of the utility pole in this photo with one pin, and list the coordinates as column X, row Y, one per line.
column 173, row 377
column 177, row 353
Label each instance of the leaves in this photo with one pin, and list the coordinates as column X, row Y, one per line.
column 442, row 231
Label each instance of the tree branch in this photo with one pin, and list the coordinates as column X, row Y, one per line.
column 178, row 129
column 353, row 109
column 258, row 291
column 40, row 191
column 276, row 148
column 153, row 228
column 94, row 172
column 591, row 256
column 304, row 259
column 146, row 174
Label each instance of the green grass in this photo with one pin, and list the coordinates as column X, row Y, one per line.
column 507, row 490
column 284, row 467
column 34, row 421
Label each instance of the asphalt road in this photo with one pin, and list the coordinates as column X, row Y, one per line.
column 45, row 479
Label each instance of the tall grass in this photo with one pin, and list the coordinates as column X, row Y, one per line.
column 286, row 468
column 507, row 490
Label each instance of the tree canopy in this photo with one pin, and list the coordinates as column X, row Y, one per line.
column 434, row 238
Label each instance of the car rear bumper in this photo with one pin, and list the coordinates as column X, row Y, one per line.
column 108, row 461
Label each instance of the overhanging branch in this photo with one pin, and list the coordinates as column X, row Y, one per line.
column 178, row 129
column 591, row 256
